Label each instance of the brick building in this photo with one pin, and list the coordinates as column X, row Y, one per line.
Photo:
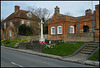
column 97, row 25
column 10, row 25
column 69, row 28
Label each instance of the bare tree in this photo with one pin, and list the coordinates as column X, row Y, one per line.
column 43, row 14
column 40, row 12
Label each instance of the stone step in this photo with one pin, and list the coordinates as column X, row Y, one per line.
column 92, row 45
column 85, row 52
column 88, row 50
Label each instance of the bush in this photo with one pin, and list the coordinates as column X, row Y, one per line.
column 13, row 42
column 24, row 30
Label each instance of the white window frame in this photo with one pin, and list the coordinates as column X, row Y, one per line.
column 28, row 23
column 4, row 24
column 10, row 23
column 29, row 14
column 71, row 29
column 59, row 29
column 52, row 30
column 10, row 33
column 22, row 21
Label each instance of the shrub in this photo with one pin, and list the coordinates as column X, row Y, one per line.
column 24, row 30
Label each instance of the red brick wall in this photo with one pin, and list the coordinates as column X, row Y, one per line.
column 8, row 33
column 2, row 35
column 80, row 37
column 56, row 36
column 97, row 28
column 57, row 20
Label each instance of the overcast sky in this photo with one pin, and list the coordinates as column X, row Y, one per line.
column 75, row 8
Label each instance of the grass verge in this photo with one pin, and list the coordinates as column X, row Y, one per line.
column 95, row 56
column 63, row 49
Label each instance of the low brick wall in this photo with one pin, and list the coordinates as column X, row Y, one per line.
column 33, row 45
column 31, row 37
column 80, row 37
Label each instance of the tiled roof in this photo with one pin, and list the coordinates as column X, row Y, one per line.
column 19, row 14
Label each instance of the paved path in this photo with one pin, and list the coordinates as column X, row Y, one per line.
column 78, row 57
column 12, row 58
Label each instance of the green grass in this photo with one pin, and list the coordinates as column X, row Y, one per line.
column 63, row 49
column 95, row 56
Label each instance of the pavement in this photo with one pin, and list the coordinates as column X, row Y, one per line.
column 75, row 59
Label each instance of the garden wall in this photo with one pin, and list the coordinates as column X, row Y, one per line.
column 31, row 37
column 80, row 37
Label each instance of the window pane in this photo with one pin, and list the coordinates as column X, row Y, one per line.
column 28, row 23
column 71, row 29
column 22, row 22
column 10, row 23
column 59, row 29
column 4, row 24
column 10, row 33
column 53, row 30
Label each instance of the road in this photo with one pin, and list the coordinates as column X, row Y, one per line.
column 12, row 58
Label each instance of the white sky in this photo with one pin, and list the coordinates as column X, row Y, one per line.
column 76, row 8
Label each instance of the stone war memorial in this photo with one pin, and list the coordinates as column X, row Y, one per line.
column 42, row 40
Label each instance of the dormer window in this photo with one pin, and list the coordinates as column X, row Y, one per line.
column 29, row 14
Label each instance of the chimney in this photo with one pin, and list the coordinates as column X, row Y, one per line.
column 17, row 8
column 57, row 10
column 88, row 12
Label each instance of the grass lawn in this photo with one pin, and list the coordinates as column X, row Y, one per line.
column 95, row 56
column 63, row 49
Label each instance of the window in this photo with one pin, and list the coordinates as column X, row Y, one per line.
column 28, row 23
column 71, row 29
column 85, row 28
column 59, row 29
column 29, row 14
column 4, row 24
column 52, row 30
column 22, row 21
column 39, row 24
column 10, row 33
column 10, row 23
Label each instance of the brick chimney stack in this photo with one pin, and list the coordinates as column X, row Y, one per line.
column 17, row 8
column 57, row 10
column 88, row 12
